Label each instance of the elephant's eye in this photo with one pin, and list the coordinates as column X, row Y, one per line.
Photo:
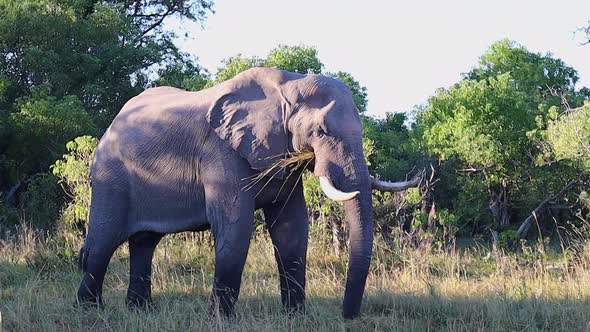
column 319, row 133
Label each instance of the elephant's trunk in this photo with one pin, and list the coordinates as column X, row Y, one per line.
column 354, row 190
column 359, row 216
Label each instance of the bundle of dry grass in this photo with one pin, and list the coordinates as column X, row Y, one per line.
column 291, row 163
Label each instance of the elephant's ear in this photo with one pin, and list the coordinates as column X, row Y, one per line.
column 250, row 118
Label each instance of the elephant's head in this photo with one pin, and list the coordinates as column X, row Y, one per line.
column 265, row 114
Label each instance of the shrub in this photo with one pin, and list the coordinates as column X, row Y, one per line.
column 42, row 201
column 508, row 239
column 73, row 170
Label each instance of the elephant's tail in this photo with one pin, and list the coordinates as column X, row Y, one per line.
column 83, row 258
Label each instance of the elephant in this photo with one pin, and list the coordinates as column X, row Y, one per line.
column 174, row 161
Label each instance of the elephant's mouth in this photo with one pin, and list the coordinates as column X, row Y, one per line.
column 291, row 162
column 297, row 160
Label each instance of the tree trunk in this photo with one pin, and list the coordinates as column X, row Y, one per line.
column 500, row 205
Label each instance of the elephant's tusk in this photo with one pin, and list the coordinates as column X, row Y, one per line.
column 395, row 186
column 333, row 193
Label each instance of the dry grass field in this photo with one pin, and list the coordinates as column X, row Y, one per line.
column 407, row 290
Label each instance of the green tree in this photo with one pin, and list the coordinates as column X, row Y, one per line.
column 233, row 66
column 393, row 156
column 42, row 125
column 185, row 74
column 543, row 78
column 484, row 123
column 297, row 59
column 98, row 51
column 489, row 129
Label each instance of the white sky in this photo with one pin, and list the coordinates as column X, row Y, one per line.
column 401, row 51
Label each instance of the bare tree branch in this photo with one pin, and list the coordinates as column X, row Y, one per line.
column 170, row 11
column 586, row 31
column 526, row 224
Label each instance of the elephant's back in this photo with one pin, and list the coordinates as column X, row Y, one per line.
column 159, row 121
column 151, row 149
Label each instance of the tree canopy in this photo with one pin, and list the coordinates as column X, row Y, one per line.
column 511, row 131
column 68, row 66
column 490, row 128
column 99, row 51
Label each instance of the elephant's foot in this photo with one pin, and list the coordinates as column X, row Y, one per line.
column 86, row 299
column 139, row 302
column 294, row 311
column 222, row 306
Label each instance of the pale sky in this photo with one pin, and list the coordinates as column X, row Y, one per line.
column 401, row 51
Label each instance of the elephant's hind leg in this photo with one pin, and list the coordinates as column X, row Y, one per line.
column 106, row 232
column 95, row 260
column 141, row 252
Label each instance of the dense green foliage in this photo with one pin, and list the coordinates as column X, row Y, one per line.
column 297, row 59
column 509, row 134
column 73, row 170
column 489, row 130
column 67, row 67
column 184, row 75
column 42, row 125
column 569, row 137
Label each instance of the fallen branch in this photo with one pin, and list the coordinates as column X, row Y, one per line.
column 469, row 170
column 526, row 224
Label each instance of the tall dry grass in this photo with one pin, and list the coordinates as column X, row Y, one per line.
column 407, row 290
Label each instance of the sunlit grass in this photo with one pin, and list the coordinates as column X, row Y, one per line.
column 408, row 290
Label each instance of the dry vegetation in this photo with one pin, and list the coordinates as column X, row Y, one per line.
column 407, row 290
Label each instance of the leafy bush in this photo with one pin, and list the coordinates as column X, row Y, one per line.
column 471, row 203
column 413, row 196
column 508, row 239
column 73, row 170
column 42, row 201
column 448, row 221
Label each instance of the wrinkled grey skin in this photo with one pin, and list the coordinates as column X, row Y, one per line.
column 175, row 161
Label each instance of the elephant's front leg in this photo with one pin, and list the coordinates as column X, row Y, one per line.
column 141, row 252
column 231, row 220
column 288, row 227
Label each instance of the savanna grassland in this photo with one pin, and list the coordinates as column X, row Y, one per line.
column 503, row 154
column 407, row 290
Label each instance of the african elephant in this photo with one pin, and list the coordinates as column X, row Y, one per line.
column 174, row 161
